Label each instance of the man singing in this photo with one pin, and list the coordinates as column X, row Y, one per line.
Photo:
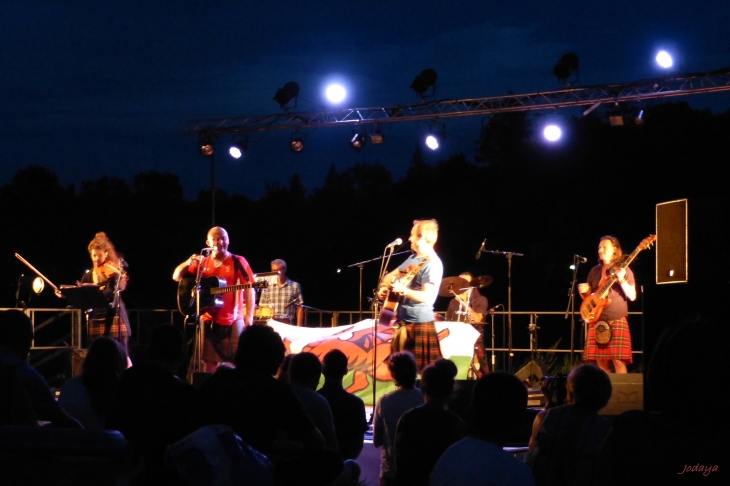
column 222, row 325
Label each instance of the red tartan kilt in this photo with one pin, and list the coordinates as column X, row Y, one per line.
column 619, row 347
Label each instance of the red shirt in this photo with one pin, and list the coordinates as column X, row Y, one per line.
column 233, row 302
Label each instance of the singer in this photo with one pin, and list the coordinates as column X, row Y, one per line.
column 222, row 325
column 286, row 296
column 618, row 348
column 414, row 329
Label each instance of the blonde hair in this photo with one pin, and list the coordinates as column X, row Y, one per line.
column 428, row 229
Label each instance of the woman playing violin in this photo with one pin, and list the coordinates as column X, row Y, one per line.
column 110, row 274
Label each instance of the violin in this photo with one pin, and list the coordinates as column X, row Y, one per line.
column 110, row 269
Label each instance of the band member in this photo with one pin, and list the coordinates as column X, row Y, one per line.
column 285, row 296
column 222, row 325
column 109, row 272
column 471, row 306
column 415, row 330
column 618, row 348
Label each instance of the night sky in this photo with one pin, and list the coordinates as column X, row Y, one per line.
column 92, row 89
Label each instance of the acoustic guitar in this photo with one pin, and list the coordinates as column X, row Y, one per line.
column 210, row 289
column 593, row 304
column 390, row 305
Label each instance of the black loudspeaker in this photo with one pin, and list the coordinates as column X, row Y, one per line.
column 628, row 393
column 671, row 247
column 532, row 373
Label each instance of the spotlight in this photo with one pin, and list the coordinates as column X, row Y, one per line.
column 296, row 144
column 552, row 133
column 664, row 59
column 565, row 66
column 423, row 81
column 639, row 120
column 616, row 120
column 335, row 93
column 376, row 138
column 357, row 142
column 239, row 146
column 206, row 145
column 435, row 137
column 289, row 92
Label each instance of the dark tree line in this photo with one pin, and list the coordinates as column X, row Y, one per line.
column 545, row 202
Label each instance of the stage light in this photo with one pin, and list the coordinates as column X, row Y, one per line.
column 566, row 65
column 639, row 120
column 357, row 142
column 296, row 144
column 376, row 138
column 206, row 145
column 552, row 133
column 335, row 93
column 289, row 92
column 435, row 137
column 239, row 146
column 423, row 81
column 664, row 59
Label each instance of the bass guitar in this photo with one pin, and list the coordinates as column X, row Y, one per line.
column 593, row 304
column 210, row 289
column 390, row 305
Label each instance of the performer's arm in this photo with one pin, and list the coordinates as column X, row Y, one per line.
column 250, row 306
column 385, row 283
column 628, row 287
column 427, row 294
column 182, row 269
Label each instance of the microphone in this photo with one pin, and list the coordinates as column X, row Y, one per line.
column 293, row 302
column 479, row 252
column 581, row 259
column 394, row 243
column 495, row 308
column 209, row 248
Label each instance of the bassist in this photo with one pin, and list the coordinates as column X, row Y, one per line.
column 415, row 330
column 618, row 347
column 222, row 325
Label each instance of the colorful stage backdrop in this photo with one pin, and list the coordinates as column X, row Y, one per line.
column 356, row 341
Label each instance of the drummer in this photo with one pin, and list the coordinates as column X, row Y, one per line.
column 285, row 296
column 471, row 306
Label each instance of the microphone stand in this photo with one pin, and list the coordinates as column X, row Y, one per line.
column 199, row 330
column 375, row 307
column 509, row 255
column 571, row 306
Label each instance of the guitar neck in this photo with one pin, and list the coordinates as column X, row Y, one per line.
column 603, row 290
column 230, row 288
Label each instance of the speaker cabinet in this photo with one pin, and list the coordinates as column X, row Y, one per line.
column 671, row 246
column 628, row 393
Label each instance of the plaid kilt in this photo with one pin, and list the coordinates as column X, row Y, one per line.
column 220, row 342
column 96, row 323
column 619, row 347
column 423, row 342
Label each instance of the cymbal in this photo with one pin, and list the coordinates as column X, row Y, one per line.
column 452, row 284
column 482, row 281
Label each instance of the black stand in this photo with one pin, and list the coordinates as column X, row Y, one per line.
column 534, row 371
column 509, row 255
column 196, row 360
column 571, row 306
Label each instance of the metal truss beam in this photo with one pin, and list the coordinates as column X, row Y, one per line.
column 682, row 85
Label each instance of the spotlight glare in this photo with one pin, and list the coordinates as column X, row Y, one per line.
column 235, row 152
column 664, row 59
column 335, row 93
column 432, row 142
column 297, row 145
column 552, row 133
column 357, row 142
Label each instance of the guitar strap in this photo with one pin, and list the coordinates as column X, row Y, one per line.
column 239, row 267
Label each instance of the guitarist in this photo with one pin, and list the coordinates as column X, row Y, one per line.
column 414, row 329
column 618, row 348
column 222, row 325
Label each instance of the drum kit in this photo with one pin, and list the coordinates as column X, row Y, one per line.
column 457, row 286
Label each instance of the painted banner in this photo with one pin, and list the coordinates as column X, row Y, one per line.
column 363, row 347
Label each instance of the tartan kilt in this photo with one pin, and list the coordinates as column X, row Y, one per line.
column 220, row 342
column 423, row 342
column 618, row 347
column 97, row 327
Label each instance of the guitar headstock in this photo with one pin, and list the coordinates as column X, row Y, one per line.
column 647, row 242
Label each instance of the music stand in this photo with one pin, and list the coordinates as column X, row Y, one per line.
column 85, row 297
